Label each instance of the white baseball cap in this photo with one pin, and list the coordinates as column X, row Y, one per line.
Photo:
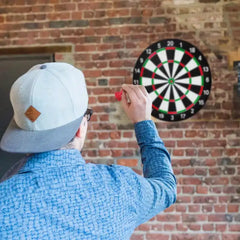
column 49, row 102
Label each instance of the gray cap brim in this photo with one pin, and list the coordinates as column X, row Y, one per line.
column 17, row 140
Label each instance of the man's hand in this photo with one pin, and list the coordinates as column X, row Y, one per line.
column 136, row 102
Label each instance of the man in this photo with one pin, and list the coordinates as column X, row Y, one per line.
column 56, row 195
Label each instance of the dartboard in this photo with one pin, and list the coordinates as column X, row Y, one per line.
column 177, row 77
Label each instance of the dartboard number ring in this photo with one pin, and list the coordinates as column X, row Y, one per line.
column 176, row 76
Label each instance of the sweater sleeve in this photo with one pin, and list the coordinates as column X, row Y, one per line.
column 156, row 189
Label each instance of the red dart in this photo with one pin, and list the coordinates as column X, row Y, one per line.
column 118, row 95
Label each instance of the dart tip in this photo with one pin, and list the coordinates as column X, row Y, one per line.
column 118, row 95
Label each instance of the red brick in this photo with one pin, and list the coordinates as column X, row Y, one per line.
column 115, row 135
column 232, row 208
column 220, row 208
column 117, row 153
column 88, row 14
column 194, row 217
column 136, row 236
column 157, row 236
column 234, row 228
column 157, row 227
column 228, row 236
column 91, row 135
column 85, row 48
column 216, row 181
column 180, row 208
column 132, row 144
column 188, row 171
column 117, row 12
column 103, row 99
column 215, row 190
column 191, row 152
column 204, row 199
column 114, row 72
column 128, row 162
column 191, row 134
column 103, row 118
column 144, row 227
column 104, row 153
column 169, row 144
column 217, row 218
column 92, row 73
column 214, row 143
column 203, row 152
column 103, row 135
column 169, row 227
column 193, row 208
column 221, row 228
column 184, row 199
column 65, row 7
column 116, row 81
column 189, row 143
column 208, row 227
column 235, row 180
column 207, row 208
column 178, row 152
column 201, row 171
column 202, row 190
column 127, row 134
column 194, row 227
column 190, row 181
column 181, row 227
column 215, row 171
column 169, row 209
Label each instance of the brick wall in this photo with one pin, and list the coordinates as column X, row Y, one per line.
column 107, row 37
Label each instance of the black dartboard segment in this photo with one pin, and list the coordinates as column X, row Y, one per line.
column 177, row 77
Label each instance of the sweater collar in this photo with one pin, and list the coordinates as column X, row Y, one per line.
column 56, row 158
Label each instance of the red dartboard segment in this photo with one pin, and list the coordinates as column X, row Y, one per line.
column 189, row 54
column 155, row 107
column 176, row 75
column 153, row 54
column 200, row 93
column 170, row 48
column 190, row 106
column 183, row 96
column 161, row 97
column 182, row 65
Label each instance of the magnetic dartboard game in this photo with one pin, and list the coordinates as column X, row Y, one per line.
column 177, row 77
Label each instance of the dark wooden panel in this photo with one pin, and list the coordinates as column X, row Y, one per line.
column 36, row 50
column 11, row 67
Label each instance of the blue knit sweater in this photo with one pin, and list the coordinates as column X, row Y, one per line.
column 56, row 195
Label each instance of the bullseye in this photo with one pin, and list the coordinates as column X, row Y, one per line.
column 171, row 81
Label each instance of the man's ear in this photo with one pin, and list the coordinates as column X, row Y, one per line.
column 78, row 134
column 81, row 129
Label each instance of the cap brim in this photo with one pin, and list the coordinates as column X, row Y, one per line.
column 17, row 140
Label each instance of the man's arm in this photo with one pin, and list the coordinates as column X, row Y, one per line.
column 157, row 189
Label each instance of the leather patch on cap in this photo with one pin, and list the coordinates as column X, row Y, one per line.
column 32, row 113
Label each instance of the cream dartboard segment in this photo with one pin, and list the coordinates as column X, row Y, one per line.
column 177, row 77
